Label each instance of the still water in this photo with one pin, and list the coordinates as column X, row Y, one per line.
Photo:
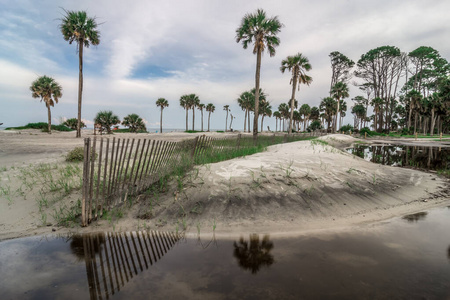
column 431, row 158
column 403, row 258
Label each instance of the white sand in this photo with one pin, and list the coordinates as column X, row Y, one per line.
column 289, row 189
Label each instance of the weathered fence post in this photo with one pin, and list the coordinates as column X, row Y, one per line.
column 85, row 196
column 195, row 146
column 285, row 138
column 91, row 178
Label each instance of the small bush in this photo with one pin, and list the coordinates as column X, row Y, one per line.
column 347, row 128
column 365, row 130
column 75, row 155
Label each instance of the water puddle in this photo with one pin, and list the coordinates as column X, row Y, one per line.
column 431, row 158
column 404, row 258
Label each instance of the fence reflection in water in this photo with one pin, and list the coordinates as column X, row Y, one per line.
column 112, row 259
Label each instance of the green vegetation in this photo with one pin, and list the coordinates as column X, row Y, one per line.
column 42, row 126
column 106, row 119
column 49, row 91
column 134, row 123
column 72, row 123
column 76, row 155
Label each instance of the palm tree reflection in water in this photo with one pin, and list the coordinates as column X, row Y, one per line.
column 253, row 254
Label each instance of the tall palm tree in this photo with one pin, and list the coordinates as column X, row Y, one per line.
column 339, row 91
column 277, row 116
column 342, row 112
column 265, row 110
column 305, row 111
column 184, row 102
column 161, row 102
column 262, row 32
column 246, row 101
column 201, row 106
column 283, row 108
column 329, row 107
column 297, row 119
column 49, row 91
column 192, row 102
column 210, row 108
column 77, row 26
column 227, row 108
column 298, row 65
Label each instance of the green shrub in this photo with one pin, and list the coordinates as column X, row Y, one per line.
column 42, row 126
column 347, row 128
column 314, row 126
column 75, row 155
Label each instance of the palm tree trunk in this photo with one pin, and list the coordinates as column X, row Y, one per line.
column 248, row 120
column 80, row 86
column 49, row 120
column 433, row 120
column 193, row 117
column 226, row 122
column 186, row 119
column 262, row 122
column 245, row 120
column 257, row 77
column 209, row 119
column 294, row 86
column 337, row 111
column 160, row 122
column 202, row 119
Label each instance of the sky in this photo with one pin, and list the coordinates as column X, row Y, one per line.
column 151, row 49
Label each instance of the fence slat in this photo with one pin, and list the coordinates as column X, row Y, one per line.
column 122, row 157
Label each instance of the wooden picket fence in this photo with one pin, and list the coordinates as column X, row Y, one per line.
column 115, row 169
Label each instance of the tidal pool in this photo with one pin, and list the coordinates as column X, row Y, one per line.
column 431, row 158
column 403, row 258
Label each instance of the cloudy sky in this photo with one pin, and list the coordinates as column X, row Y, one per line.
column 151, row 49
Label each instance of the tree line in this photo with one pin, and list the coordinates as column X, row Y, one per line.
column 406, row 91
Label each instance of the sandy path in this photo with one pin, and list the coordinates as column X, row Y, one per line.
column 291, row 188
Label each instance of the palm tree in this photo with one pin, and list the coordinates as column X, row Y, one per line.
column 161, row 102
column 210, row 108
column 49, row 91
column 201, row 106
column 277, row 116
column 227, row 108
column 192, row 101
column 106, row 119
column 315, row 113
column 265, row 110
column 298, row 65
column 342, row 111
column 283, row 108
column 305, row 111
column 184, row 102
column 73, row 123
column 329, row 107
column 77, row 26
column 339, row 91
column 134, row 122
column 246, row 101
column 262, row 32
column 297, row 119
